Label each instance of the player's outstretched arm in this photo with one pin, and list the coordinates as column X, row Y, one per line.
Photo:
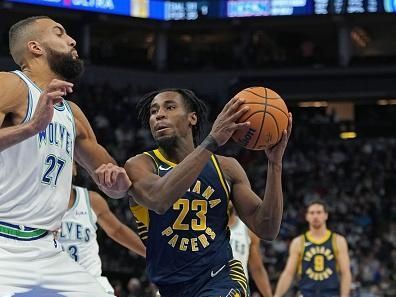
column 159, row 193
column 113, row 227
column 256, row 267
column 287, row 275
column 262, row 216
column 103, row 169
column 343, row 263
column 12, row 90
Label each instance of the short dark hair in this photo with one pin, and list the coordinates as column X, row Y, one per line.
column 15, row 34
column 320, row 202
column 192, row 102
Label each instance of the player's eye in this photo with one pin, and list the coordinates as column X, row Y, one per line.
column 153, row 111
column 171, row 107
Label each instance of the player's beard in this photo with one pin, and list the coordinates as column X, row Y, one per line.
column 167, row 143
column 65, row 65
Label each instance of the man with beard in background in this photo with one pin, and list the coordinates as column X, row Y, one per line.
column 40, row 134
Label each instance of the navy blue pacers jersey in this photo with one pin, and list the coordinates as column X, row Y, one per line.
column 192, row 236
column 318, row 268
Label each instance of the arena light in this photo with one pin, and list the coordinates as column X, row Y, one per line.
column 386, row 102
column 348, row 135
column 313, row 104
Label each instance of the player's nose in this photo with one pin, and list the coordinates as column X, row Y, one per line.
column 72, row 42
column 160, row 114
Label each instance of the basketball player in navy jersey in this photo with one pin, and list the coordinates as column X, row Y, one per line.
column 182, row 190
column 41, row 134
column 319, row 257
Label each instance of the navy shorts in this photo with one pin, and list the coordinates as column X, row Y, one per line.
column 227, row 280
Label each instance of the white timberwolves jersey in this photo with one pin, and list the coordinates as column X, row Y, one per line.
column 240, row 243
column 78, row 233
column 35, row 174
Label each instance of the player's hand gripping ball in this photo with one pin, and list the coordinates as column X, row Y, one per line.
column 268, row 116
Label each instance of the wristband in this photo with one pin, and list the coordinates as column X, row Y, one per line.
column 210, row 144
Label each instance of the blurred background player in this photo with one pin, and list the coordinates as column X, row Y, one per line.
column 182, row 190
column 246, row 248
column 78, row 233
column 40, row 135
column 319, row 257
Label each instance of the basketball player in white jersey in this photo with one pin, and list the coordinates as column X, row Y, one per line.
column 78, row 233
column 246, row 248
column 40, row 135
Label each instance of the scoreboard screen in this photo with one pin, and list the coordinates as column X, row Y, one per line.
column 194, row 9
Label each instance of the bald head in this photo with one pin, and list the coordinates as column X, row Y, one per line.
column 21, row 33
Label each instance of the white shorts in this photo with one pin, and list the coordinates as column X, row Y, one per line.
column 105, row 284
column 40, row 268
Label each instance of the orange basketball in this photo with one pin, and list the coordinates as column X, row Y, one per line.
column 268, row 117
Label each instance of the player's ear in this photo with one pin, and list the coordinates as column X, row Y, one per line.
column 35, row 48
column 193, row 118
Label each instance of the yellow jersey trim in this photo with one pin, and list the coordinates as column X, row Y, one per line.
column 155, row 161
column 163, row 159
column 319, row 241
column 141, row 214
column 219, row 173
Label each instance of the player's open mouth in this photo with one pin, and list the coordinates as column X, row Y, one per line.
column 161, row 128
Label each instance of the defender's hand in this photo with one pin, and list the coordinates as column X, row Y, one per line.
column 52, row 95
column 225, row 124
column 113, row 180
column 275, row 153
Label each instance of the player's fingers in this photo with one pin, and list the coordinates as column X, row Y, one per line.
column 55, row 94
column 234, row 106
column 57, row 100
column 290, row 124
column 56, row 84
column 284, row 138
column 237, row 115
column 62, row 88
column 239, row 126
column 229, row 104
column 107, row 178
column 99, row 172
column 114, row 175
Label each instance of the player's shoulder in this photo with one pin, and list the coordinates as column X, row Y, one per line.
column 297, row 242
column 340, row 239
column 231, row 168
column 228, row 163
column 12, row 86
column 140, row 160
column 142, row 157
column 224, row 159
column 74, row 107
column 7, row 77
column 13, row 94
